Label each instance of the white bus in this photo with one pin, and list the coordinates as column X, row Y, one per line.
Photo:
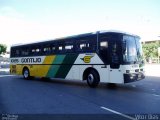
column 102, row 56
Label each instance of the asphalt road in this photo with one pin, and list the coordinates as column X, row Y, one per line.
column 19, row 96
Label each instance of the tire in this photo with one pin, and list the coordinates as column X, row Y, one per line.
column 93, row 79
column 26, row 73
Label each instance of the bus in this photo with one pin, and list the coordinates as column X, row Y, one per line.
column 102, row 56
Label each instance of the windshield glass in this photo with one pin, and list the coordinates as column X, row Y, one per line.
column 139, row 49
column 132, row 50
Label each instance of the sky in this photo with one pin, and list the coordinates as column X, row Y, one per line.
column 25, row 21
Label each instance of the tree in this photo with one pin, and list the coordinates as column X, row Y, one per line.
column 3, row 48
column 150, row 50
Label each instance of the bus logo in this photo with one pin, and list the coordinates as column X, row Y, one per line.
column 87, row 59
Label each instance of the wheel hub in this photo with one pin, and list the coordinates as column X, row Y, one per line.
column 90, row 78
column 25, row 73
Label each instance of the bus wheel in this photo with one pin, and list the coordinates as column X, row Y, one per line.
column 26, row 73
column 93, row 79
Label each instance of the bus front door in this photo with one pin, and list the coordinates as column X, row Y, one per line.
column 115, row 69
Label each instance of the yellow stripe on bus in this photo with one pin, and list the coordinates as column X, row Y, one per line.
column 42, row 70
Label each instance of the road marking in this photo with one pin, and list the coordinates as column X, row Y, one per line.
column 133, row 85
column 6, row 75
column 156, row 95
column 118, row 113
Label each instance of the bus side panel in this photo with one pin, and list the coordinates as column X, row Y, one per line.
column 103, row 71
column 66, row 65
column 55, row 66
column 42, row 69
column 61, row 65
column 116, row 75
column 74, row 73
column 19, row 69
column 12, row 69
column 16, row 69
column 89, row 60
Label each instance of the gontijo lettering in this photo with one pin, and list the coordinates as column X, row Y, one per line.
column 14, row 60
column 31, row 60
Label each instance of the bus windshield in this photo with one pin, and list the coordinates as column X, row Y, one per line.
column 132, row 49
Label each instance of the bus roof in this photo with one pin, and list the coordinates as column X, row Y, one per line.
column 118, row 31
column 79, row 35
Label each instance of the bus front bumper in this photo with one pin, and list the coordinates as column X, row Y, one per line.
column 132, row 77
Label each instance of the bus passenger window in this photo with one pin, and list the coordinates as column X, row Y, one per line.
column 114, row 56
column 53, row 48
column 103, row 51
column 37, row 50
column 60, row 48
column 68, row 47
column 17, row 52
column 103, row 45
column 33, row 50
column 25, row 52
column 82, row 46
column 47, row 49
column 85, row 47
